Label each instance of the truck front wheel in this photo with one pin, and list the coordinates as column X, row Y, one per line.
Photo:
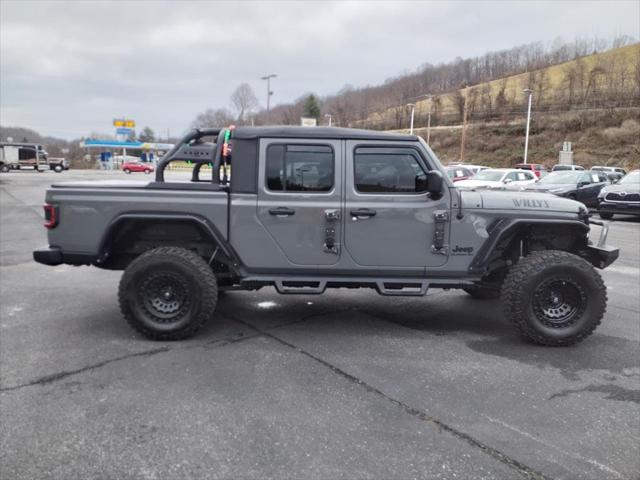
column 554, row 298
column 168, row 293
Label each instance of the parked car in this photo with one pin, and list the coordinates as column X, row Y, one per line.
column 381, row 213
column 623, row 197
column 129, row 167
column 576, row 185
column 537, row 168
column 615, row 174
column 458, row 173
column 561, row 168
column 498, row 178
column 474, row 168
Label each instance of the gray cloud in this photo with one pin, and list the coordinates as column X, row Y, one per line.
column 67, row 69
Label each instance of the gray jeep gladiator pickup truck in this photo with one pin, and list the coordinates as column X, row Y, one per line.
column 308, row 209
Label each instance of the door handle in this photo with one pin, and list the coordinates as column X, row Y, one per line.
column 363, row 213
column 282, row 211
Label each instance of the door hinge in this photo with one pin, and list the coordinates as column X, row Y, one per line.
column 332, row 214
column 441, row 218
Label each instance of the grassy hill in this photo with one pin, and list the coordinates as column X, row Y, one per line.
column 593, row 102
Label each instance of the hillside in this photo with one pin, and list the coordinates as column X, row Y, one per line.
column 593, row 102
column 604, row 80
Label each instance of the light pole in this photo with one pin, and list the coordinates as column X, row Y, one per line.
column 529, row 92
column 413, row 111
column 429, row 119
column 328, row 115
column 269, row 92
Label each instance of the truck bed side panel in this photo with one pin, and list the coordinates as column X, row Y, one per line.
column 86, row 213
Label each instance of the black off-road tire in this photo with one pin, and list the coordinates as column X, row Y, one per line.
column 554, row 298
column 482, row 292
column 168, row 293
column 605, row 216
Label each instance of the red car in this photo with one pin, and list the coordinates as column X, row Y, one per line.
column 129, row 167
column 457, row 172
column 537, row 168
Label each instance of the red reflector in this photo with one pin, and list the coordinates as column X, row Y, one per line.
column 50, row 215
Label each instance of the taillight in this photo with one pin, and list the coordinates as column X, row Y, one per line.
column 50, row 215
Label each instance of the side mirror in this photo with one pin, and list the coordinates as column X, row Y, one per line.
column 434, row 182
column 507, row 180
column 582, row 184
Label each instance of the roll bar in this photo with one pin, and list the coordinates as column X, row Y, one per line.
column 189, row 148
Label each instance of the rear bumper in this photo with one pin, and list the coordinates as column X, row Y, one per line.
column 48, row 255
column 54, row 256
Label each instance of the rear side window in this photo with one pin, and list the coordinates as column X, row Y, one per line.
column 384, row 170
column 300, row 168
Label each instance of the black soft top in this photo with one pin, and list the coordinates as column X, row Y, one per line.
column 317, row 132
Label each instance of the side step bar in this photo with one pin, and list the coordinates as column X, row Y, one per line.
column 415, row 287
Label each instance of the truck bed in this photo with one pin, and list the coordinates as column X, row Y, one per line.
column 86, row 210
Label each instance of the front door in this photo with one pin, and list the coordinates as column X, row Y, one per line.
column 299, row 199
column 389, row 222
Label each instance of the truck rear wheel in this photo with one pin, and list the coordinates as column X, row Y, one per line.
column 554, row 298
column 168, row 293
column 4, row 168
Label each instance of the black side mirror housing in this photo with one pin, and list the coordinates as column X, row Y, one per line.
column 431, row 182
column 434, row 182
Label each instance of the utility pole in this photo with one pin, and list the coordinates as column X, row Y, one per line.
column 328, row 115
column 269, row 92
column 529, row 92
column 413, row 111
column 464, row 124
column 429, row 121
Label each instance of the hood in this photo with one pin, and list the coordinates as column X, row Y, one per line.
column 478, row 184
column 538, row 202
column 625, row 187
column 549, row 187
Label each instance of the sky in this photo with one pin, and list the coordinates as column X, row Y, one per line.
column 68, row 68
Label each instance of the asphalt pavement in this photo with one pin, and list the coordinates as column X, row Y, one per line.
column 348, row 384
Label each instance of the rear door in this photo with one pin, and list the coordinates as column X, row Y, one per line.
column 589, row 187
column 388, row 222
column 299, row 198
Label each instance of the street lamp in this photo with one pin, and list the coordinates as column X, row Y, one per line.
column 430, row 97
column 328, row 115
column 269, row 92
column 529, row 92
column 413, row 111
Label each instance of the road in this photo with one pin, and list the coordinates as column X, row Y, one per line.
column 344, row 385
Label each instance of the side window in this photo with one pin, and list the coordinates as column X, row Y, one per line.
column 512, row 176
column 300, row 168
column 387, row 170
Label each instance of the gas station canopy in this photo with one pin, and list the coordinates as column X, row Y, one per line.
column 128, row 145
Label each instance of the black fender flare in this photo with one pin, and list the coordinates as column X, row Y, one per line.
column 506, row 227
column 211, row 229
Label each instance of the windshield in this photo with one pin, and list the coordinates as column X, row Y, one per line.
column 488, row 175
column 561, row 177
column 633, row 177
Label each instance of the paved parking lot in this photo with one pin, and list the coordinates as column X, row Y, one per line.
column 344, row 385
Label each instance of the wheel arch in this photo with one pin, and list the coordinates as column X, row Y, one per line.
column 511, row 237
column 133, row 233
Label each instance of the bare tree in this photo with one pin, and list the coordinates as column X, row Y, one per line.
column 219, row 117
column 244, row 102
